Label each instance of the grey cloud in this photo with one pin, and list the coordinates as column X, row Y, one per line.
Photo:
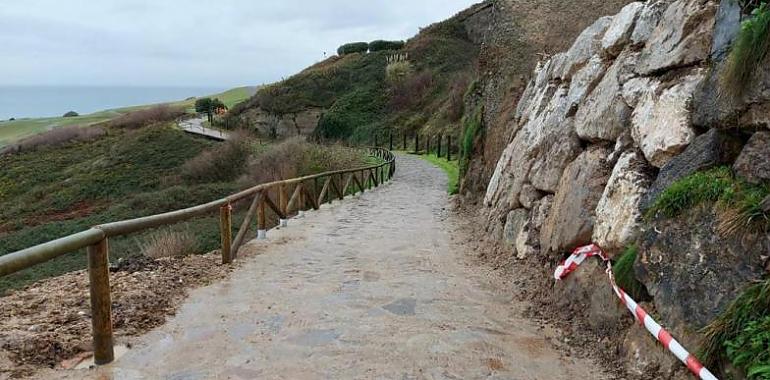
column 178, row 42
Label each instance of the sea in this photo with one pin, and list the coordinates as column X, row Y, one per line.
column 48, row 101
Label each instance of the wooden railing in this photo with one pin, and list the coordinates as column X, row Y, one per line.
column 336, row 184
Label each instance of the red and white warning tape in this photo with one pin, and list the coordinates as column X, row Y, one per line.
column 580, row 254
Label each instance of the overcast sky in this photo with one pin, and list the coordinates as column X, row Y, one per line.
column 190, row 42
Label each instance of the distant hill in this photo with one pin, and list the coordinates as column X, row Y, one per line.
column 12, row 131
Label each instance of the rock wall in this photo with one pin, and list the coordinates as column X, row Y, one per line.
column 602, row 129
column 516, row 33
column 295, row 124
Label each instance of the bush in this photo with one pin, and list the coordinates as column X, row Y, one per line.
column 623, row 270
column 398, row 71
column 147, row 116
column 55, row 137
column 410, row 93
column 296, row 157
column 748, row 51
column 224, row 162
column 71, row 114
column 353, row 47
column 168, row 243
column 380, row 45
column 350, row 112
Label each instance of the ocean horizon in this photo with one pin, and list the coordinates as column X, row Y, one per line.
column 51, row 101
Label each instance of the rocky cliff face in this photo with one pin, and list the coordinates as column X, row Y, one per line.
column 603, row 128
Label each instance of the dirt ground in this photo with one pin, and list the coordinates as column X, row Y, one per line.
column 389, row 284
column 49, row 322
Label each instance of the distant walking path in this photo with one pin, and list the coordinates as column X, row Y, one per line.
column 372, row 287
column 195, row 126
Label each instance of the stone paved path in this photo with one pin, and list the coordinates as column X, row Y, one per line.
column 370, row 288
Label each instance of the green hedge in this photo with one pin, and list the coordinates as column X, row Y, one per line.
column 353, row 47
column 380, row 45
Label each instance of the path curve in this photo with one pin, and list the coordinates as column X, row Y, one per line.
column 370, row 288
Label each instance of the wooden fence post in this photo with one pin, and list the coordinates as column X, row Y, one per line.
column 427, row 145
column 283, row 204
column 404, row 147
column 261, row 221
column 391, row 141
column 225, row 232
column 302, row 202
column 417, row 143
column 101, row 305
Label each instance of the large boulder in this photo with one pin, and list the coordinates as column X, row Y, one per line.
column 618, row 34
column 648, row 20
column 715, row 108
column 604, row 114
column 711, row 149
column 727, row 25
column 661, row 122
column 645, row 357
column 587, row 44
column 753, row 164
column 542, row 148
column 584, row 81
column 682, row 37
column 692, row 271
column 571, row 220
column 618, row 219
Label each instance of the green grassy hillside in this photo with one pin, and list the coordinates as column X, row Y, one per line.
column 418, row 87
column 12, row 131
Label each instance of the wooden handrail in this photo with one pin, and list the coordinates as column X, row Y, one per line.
column 96, row 238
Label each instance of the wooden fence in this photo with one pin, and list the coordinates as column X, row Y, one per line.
column 440, row 145
column 273, row 195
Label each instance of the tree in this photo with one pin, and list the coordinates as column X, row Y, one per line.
column 71, row 114
column 209, row 107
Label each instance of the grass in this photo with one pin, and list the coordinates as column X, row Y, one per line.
column 623, row 270
column 741, row 334
column 12, row 131
column 748, row 52
column 54, row 192
column 739, row 202
column 450, row 168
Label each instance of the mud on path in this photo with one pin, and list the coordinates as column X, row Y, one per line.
column 377, row 286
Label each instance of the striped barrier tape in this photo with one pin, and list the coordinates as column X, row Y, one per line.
column 579, row 255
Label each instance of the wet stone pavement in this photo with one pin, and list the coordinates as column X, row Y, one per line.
column 374, row 287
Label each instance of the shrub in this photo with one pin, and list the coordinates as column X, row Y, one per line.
column 55, row 137
column 296, row 157
column 623, row 270
column 144, row 117
column 748, row 51
column 740, row 333
column 71, row 114
column 168, row 243
column 380, row 45
column 350, row 112
column 353, row 47
column 411, row 92
column 396, row 72
column 224, row 162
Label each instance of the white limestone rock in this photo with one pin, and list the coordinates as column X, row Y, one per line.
column 661, row 124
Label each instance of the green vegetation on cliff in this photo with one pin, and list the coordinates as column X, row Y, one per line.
column 748, row 52
column 361, row 99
